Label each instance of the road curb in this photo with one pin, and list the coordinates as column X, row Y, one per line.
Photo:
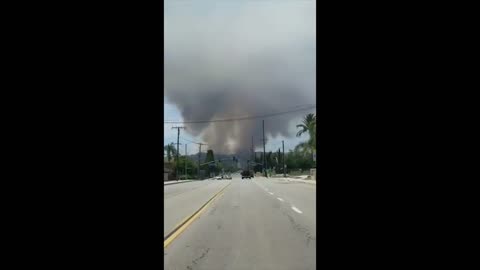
column 309, row 183
column 167, row 184
column 188, row 220
column 305, row 182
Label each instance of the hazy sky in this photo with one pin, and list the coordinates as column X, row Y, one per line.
column 238, row 58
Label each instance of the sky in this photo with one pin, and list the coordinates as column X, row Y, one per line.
column 228, row 59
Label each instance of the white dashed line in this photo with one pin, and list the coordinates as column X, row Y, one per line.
column 280, row 199
column 271, row 193
column 296, row 210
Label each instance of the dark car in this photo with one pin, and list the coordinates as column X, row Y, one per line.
column 247, row 174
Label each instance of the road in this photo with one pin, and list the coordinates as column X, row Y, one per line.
column 252, row 224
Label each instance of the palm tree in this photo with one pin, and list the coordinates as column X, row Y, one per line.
column 170, row 148
column 309, row 125
column 303, row 148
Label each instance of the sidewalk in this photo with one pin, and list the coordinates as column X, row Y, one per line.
column 311, row 182
column 291, row 179
column 172, row 182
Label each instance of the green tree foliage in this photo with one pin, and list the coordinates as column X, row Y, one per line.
column 278, row 161
column 303, row 148
column 171, row 151
column 269, row 160
column 192, row 169
column 309, row 125
column 209, row 157
column 297, row 159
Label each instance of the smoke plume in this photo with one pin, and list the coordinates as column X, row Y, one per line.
column 227, row 59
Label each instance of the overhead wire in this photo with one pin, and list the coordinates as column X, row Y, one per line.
column 242, row 118
column 192, row 141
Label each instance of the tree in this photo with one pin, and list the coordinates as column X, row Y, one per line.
column 291, row 160
column 220, row 166
column 279, row 160
column 209, row 157
column 171, row 151
column 303, row 148
column 298, row 159
column 191, row 166
column 309, row 125
column 269, row 159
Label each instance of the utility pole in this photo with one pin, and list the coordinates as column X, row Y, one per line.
column 178, row 143
column 264, row 163
column 199, row 152
column 253, row 149
column 283, row 158
column 185, row 161
column 278, row 160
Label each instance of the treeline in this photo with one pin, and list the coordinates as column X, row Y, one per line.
column 301, row 158
column 191, row 168
column 294, row 160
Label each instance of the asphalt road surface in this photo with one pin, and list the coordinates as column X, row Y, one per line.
column 253, row 224
column 182, row 200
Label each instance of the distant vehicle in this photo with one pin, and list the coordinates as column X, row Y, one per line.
column 218, row 178
column 247, row 174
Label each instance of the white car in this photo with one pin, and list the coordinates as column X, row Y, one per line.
column 218, row 178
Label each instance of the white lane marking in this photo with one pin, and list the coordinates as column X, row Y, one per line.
column 280, row 199
column 296, row 210
column 271, row 193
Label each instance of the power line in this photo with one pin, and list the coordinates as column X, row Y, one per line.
column 240, row 118
column 193, row 141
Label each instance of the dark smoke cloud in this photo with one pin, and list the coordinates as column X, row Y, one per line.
column 228, row 59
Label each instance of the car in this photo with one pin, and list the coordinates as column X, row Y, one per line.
column 218, row 178
column 247, row 174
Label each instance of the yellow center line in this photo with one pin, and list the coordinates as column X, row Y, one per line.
column 179, row 230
